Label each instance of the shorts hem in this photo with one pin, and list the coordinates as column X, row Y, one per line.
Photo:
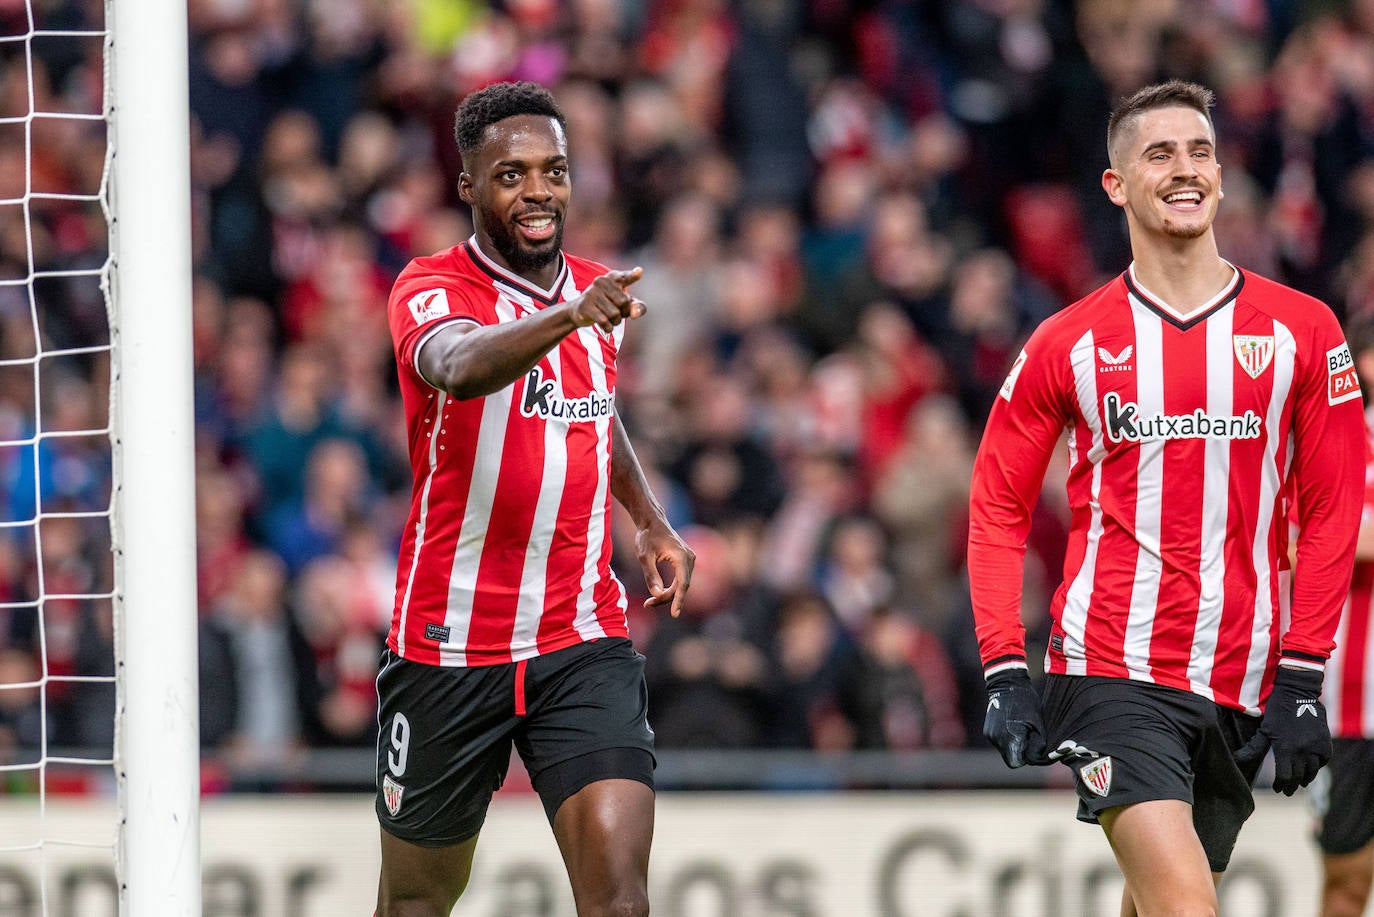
column 1088, row 812
column 429, row 842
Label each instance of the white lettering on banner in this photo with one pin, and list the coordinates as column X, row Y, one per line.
column 957, row 854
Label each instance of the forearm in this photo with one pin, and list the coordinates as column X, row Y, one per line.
column 629, row 486
column 469, row 361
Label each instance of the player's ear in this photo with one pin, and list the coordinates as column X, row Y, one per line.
column 1115, row 186
column 465, row 188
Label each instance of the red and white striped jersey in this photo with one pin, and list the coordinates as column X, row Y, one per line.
column 1183, row 432
column 1348, row 691
column 506, row 552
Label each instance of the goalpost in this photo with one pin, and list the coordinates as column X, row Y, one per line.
column 157, row 714
column 146, row 591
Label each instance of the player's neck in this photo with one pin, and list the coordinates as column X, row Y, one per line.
column 1186, row 276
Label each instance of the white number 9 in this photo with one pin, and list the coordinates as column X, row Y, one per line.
column 400, row 745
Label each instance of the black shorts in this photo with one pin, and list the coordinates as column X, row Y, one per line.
column 1348, row 782
column 1142, row 742
column 445, row 734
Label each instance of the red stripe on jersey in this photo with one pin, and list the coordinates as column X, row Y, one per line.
column 1184, row 354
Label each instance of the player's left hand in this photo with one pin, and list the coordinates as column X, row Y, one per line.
column 656, row 544
column 1295, row 726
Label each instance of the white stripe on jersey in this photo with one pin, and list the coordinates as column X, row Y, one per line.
column 1074, row 621
column 467, row 555
column 440, row 401
column 534, row 574
column 1285, row 351
column 1216, row 481
column 1149, row 503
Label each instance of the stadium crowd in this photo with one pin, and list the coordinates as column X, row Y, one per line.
column 849, row 215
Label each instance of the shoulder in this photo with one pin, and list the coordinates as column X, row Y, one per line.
column 450, row 272
column 1283, row 303
column 1065, row 328
column 442, row 267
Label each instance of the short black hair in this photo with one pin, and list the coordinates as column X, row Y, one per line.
column 1173, row 94
column 497, row 102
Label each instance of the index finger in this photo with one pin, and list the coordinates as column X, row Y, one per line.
column 625, row 278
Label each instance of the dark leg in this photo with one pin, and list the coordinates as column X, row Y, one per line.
column 422, row 881
column 604, row 831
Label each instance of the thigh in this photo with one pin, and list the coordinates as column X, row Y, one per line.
column 1343, row 797
column 419, row 880
column 1131, row 740
column 1159, row 853
column 604, row 832
column 583, row 700
column 443, row 748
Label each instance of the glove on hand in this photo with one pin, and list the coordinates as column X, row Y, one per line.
column 1013, row 721
column 1294, row 725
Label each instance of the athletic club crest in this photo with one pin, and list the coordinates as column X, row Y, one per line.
column 1254, row 352
column 1097, row 775
column 391, row 793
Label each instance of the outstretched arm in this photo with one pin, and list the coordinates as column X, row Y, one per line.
column 655, row 540
column 468, row 360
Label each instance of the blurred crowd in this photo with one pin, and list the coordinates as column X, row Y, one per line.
column 849, row 214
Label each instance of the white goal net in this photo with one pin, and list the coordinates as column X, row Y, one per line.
column 97, row 599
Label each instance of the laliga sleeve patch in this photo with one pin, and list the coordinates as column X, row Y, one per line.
column 1341, row 382
column 1010, row 384
column 430, row 304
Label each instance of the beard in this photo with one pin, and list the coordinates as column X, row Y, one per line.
column 519, row 256
column 1186, row 230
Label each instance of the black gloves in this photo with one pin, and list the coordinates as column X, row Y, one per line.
column 1294, row 724
column 1013, row 721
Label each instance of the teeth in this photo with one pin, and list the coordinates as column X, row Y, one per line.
column 1183, row 196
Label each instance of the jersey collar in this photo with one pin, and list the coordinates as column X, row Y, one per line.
column 1171, row 315
column 496, row 272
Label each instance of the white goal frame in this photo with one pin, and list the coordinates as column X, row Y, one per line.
column 156, row 752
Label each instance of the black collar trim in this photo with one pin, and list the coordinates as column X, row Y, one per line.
column 1172, row 317
column 501, row 275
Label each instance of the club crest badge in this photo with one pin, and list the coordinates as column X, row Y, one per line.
column 391, row 794
column 1254, row 353
column 1097, row 775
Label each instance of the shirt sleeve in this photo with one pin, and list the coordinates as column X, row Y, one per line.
column 1023, row 427
column 1328, row 489
column 418, row 306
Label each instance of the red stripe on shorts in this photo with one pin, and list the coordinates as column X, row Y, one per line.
column 520, row 687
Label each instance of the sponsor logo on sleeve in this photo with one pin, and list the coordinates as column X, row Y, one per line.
column 1341, row 382
column 429, row 305
column 1097, row 775
column 1010, row 384
column 1254, row 353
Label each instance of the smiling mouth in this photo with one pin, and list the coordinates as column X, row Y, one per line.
column 1190, row 199
column 539, row 228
